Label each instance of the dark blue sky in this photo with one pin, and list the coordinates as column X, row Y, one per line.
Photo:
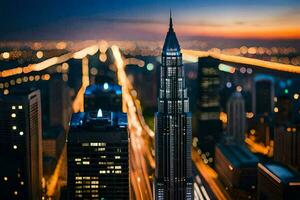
column 84, row 19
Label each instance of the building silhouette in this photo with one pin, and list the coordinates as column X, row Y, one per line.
column 208, row 123
column 173, row 172
column 21, row 146
column 236, row 119
column 97, row 149
column 263, row 95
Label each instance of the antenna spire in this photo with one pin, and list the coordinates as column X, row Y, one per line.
column 171, row 22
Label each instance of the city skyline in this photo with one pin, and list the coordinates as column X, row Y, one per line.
column 150, row 119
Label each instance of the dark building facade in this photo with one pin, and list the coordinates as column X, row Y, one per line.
column 97, row 149
column 287, row 145
column 237, row 169
column 277, row 182
column 173, row 172
column 21, row 146
column 209, row 125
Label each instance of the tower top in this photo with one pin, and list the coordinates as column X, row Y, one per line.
column 171, row 43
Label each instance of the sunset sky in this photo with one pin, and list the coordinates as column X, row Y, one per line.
column 137, row 19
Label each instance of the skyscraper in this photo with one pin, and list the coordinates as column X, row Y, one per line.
column 173, row 173
column 97, row 149
column 21, row 146
column 209, row 125
column 236, row 118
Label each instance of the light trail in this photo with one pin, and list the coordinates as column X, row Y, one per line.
column 49, row 62
column 140, row 135
column 192, row 56
column 53, row 181
column 258, row 148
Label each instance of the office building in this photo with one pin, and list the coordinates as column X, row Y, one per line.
column 21, row 146
column 237, row 169
column 97, row 149
column 236, row 119
column 173, row 170
column 287, row 145
column 277, row 182
column 208, row 123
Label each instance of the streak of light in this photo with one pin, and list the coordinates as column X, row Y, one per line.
column 192, row 56
column 50, row 62
column 140, row 153
column 258, row 148
column 78, row 104
column 53, row 181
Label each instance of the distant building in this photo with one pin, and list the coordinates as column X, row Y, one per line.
column 21, row 146
column 262, row 128
column 236, row 118
column 263, row 95
column 237, row 169
column 284, row 112
column 209, row 126
column 287, row 145
column 277, row 182
column 59, row 102
column 105, row 96
column 97, row 149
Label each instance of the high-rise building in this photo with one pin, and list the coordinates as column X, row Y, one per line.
column 287, row 145
column 209, row 125
column 236, row 118
column 173, row 128
column 21, row 146
column 263, row 95
column 97, row 149
column 284, row 110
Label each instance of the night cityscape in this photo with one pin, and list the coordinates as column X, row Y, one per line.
column 150, row 100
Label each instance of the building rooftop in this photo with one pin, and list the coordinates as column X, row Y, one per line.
column 238, row 155
column 171, row 43
column 100, row 119
column 280, row 173
column 90, row 126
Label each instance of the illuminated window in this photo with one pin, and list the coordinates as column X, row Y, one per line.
column 20, row 107
column 5, row 178
column 15, row 192
column 22, row 183
column 13, row 107
column 14, row 127
column 21, row 133
column 85, row 144
column 118, row 167
column 102, row 172
column 13, row 115
column 86, row 162
column 117, row 157
column 15, row 146
column 77, row 159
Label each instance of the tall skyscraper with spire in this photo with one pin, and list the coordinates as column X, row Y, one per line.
column 173, row 122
